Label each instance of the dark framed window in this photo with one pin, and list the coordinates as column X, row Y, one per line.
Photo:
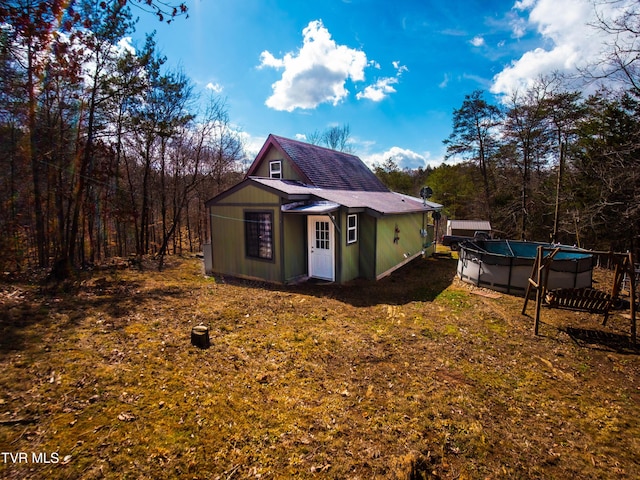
column 258, row 231
column 352, row 228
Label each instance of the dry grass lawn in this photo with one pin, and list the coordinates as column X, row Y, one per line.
column 416, row 376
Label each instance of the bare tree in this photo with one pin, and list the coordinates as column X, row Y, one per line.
column 209, row 147
column 109, row 23
column 620, row 20
column 335, row 138
column 31, row 35
column 314, row 138
column 525, row 127
column 564, row 113
column 606, row 173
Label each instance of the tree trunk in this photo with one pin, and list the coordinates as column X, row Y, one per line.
column 556, row 217
column 35, row 164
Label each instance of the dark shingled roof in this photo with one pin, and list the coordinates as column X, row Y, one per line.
column 327, row 168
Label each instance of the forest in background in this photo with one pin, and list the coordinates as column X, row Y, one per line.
column 108, row 153
column 551, row 162
column 550, row 166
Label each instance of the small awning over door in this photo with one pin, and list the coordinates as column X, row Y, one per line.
column 312, row 208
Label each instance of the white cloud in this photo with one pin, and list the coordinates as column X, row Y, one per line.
column 402, row 157
column 251, row 144
column 566, row 27
column 383, row 86
column 445, row 81
column 379, row 90
column 518, row 27
column 316, row 74
column 477, row 41
column 400, row 68
column 268, row 60
column 124, row 45
column 524, row 4
column 214, row 87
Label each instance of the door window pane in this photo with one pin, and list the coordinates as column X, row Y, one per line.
column 322, row 235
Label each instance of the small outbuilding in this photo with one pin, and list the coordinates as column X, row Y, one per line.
column 467, row 228
column 305, row 211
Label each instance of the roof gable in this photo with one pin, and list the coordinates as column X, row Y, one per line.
column 323, row 167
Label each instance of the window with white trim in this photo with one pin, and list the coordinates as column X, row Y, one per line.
column 352, row 228
column 275, row 169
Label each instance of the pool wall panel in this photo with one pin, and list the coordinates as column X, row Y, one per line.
column 503, row 272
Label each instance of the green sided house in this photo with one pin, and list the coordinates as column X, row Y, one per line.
column 305, row 211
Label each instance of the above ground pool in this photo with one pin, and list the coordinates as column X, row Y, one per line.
column 505, row 265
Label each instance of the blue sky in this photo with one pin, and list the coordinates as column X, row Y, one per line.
column 393, row 71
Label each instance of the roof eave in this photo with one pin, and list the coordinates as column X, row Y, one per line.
column 246, row 181
column 379, row 214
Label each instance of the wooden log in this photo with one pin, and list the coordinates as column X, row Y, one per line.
column 200, row 337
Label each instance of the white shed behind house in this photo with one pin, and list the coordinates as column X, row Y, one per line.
column 467, row 228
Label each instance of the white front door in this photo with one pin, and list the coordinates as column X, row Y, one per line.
column 321, row 250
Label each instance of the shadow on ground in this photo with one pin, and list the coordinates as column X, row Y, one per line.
column 601, row 340
column 38, row 309
column 422, row 280
column 29, row 316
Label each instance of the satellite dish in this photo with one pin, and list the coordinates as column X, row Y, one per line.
column 426, row 192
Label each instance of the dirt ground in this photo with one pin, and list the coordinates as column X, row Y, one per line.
column 415, row 376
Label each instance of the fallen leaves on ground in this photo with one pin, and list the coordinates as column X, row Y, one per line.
column 409, row 377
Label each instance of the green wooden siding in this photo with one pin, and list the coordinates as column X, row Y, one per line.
column 367, row 246
column 288, row 172
column 350, row 264
column 410, row 242
column 228, row 237
column 430, row 248
column 250, row 195
column 295, row 246
column 373, row 254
